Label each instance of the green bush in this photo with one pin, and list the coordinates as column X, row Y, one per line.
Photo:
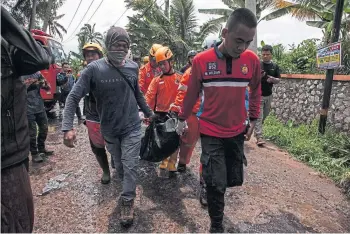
column 328, row 153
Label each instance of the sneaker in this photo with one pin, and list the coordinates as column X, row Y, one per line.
column 181, row 167
column 203, row 195
column 46, row 152
column 260, row 142
column 127, row 213
column 38, row 158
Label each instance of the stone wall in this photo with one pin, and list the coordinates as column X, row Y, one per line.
column 299, row 99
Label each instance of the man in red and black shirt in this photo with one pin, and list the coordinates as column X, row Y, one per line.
column 222, row 74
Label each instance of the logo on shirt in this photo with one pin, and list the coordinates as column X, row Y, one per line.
column 148, row 75
column 212, row 66
column 244, row 69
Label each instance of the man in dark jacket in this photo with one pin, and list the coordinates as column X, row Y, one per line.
column 270, row 75
column 37, row 115
column 20, row 55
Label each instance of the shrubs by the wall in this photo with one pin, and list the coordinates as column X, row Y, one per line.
column 328, row 153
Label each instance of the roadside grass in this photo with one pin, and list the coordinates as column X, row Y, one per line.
column 329, row 153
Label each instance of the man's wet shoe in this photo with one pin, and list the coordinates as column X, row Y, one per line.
column 127, row 213
column 181, row 167
column 46, row 152
column 38, row 158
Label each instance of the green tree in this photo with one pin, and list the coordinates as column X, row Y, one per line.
column 179, row 31
column 22, row 11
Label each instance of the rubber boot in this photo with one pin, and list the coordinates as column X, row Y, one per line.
column 216, row 227
column 102, row 160
column 181, row 167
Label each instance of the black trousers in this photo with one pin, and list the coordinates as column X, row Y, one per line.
column 222, row 160
column 37, row 138
column 17, row 208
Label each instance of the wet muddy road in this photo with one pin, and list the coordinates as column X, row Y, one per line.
column 279, row 195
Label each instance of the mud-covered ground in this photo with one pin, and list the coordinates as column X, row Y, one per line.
column 279, row 195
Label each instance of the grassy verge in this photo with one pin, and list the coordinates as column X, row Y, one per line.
column 328, row 153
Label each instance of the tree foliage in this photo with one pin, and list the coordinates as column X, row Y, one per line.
column 21, row 11
column 179, row 31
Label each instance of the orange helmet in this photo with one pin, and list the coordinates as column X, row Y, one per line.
column 154, row 49
column 163, row 54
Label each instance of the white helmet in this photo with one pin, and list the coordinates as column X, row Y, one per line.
column 210, row 41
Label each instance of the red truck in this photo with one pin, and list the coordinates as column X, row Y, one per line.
column 55, row 49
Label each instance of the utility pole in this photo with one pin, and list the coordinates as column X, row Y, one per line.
column 330, row 72
column 251, row 5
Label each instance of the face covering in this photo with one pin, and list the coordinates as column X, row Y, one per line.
column 117, row 57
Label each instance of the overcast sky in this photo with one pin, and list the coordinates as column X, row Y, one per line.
column 285, row 30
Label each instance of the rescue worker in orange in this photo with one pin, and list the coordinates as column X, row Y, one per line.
column 162, row 93
column 189, row 139
column 149, row 70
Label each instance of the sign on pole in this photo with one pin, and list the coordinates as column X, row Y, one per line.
column 329, row 57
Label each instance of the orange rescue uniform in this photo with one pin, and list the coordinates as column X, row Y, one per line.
column 160, row 95
column 190, row 138
column 162, row 92
column 146, row 75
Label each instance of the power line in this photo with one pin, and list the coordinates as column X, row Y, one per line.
column 74, row 14
column 121, row 16
column 95, row 11
column 80, row 22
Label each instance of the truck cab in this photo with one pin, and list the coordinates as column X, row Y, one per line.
column 56, row 51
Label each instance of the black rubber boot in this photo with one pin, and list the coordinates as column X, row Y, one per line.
column 181, row 167
column 216, row 228
column 102, row 160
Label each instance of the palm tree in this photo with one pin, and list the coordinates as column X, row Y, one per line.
column 56, row 28
column 224, row 13
column 87, row 33
column 48, row 14
column 316, row 13
column 44, row 11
